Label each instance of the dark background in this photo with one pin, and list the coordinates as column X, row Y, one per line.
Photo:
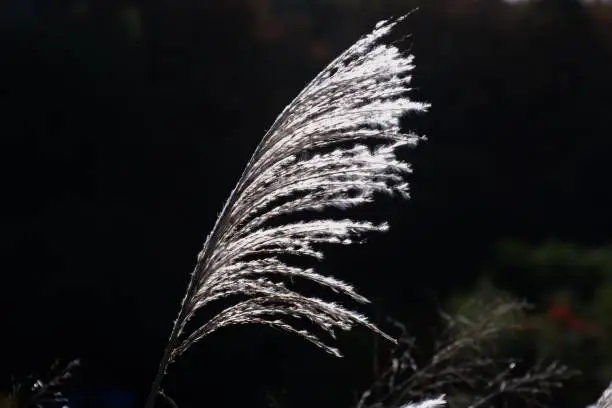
column 125, row 124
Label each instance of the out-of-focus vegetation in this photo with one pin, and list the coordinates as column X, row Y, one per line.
column 570, row 288
column 473, row 360
column 8, row 401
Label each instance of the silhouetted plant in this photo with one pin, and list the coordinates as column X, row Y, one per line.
column 313, row 157
column 37, row 392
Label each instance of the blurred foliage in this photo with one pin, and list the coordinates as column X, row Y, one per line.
column 8, row 401
column 570, row 288
column 476, row 359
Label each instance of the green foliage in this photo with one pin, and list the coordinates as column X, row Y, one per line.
column 570, row 287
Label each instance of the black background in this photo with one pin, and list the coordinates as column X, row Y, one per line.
column 124, row 126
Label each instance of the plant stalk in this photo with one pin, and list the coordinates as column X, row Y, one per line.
column 176, row 331
column 192, row 287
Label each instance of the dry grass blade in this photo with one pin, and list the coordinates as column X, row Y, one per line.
column 428, row 403
column 605, row 400
column 318, row 154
